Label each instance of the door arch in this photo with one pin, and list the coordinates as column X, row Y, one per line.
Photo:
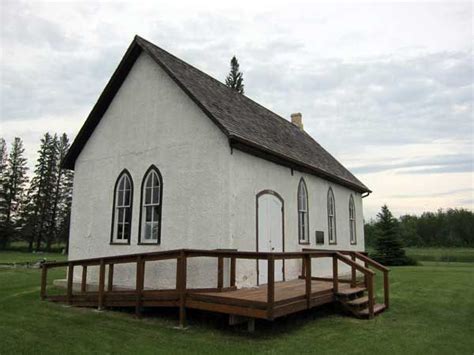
column 270, row 232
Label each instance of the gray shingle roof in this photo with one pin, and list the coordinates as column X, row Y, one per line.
column 244, row 121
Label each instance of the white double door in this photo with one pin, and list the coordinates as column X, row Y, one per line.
column 270, row 233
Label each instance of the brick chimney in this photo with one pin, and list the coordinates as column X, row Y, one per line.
column 297, row 120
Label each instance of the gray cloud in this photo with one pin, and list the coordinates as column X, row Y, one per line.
column 435, row 164
column 435, row 194
column 362, row 87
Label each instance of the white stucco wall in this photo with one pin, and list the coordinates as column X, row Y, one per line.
column 250, row 175
column 152, row 121
column 209, row 194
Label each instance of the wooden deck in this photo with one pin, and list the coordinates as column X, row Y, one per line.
column 290, row 297
column 269, row 301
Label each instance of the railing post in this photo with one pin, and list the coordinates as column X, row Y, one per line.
column 220, row 272
column 353, row 271
column 110, row 283
column 84, row 279
column 70, row 275
column 232, row 271
column 370, row 279
column 386, row 289
column 366, row 281
column 181, row 281
column 335, row 274
column 140, row 280
column 271, row 286
column 44, row 278
column 303, row 273
column 100, row 296
column 307, row 263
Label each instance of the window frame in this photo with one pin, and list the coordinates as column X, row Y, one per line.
column 151, row 169
column 302, row 186
column 352, row 221
column 331, row 226
column 113, row 240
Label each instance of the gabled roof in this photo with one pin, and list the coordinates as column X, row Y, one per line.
column 249, row 126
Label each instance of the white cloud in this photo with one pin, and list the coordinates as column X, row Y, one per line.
column 386, row 87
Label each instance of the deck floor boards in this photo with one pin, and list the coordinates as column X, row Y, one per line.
column 284, row 290
column 290, row 297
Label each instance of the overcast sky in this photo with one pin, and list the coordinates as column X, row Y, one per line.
column 387, row 88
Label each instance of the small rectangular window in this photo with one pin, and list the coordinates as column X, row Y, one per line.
column 319, row 237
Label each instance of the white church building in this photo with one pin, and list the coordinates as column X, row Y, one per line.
column 171, row 158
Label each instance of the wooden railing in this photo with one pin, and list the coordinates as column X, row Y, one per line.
column 368, row 279
column 385, row 270
column 182, row 255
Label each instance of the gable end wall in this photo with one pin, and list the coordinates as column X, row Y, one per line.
column 152, row 121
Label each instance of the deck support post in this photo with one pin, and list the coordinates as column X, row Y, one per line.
column 110, row 280
column 100, row 296
column 44, row 278
column 386, row 289
column 307, row 263
column 140, row 281
column 251, row 325
column 353, row 272
column 70, row 276
column 181, row 284
column 335, row 274
column 370, row 291
column 84, row 279
column 271, row 286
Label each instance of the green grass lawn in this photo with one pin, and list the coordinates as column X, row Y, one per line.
column 7, row 257
column 432, row 311
column 442, row 254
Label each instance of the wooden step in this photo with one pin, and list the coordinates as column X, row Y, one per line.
column 357, row 302
column 350, row 291
column 377, row 309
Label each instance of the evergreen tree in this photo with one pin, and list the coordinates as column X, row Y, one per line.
column 3, row 156
column 62, row 197
column 3, row 175
column 235, row 78
column 40, row 211
column 14, row 181
column 388, row 246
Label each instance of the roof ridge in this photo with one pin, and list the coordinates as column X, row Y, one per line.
column 285, row 121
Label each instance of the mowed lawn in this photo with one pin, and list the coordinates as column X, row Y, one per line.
column 442, row 254
column 10, row 257
column 432, row 312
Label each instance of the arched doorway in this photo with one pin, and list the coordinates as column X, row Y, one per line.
column 270, row 232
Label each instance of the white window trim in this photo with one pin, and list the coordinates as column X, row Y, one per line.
column 152, row 171
column 151, row 204
column 303, row 213
column 331, row 209
column 121, row 205
column 352, row 221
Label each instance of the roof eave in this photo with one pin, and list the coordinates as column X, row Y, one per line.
column 267, row 154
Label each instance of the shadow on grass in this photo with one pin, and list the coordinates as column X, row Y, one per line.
column 216, row 322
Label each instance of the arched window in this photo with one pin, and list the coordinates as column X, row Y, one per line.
column 122, row 212
column 150, row 212
column 303, row 225
column 352, row 221
column 331, row 217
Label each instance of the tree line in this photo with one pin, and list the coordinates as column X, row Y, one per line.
column 35, row 208
column 444, row 228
